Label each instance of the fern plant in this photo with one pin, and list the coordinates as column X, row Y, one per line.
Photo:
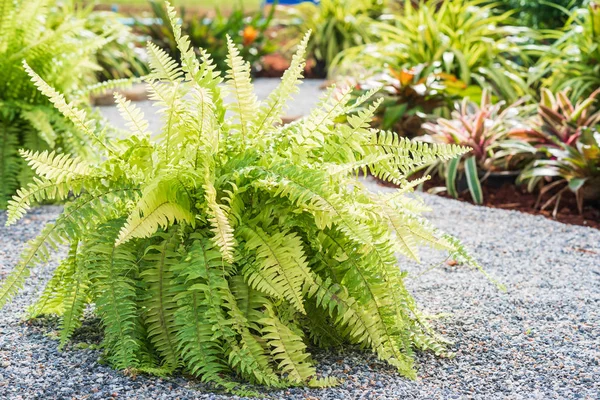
column 229, row 242
column 60, row 48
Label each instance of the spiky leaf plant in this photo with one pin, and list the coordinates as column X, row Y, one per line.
column 63, row 51
column 229, row 241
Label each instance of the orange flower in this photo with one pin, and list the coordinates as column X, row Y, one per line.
column 249, row 35
column 405, row 76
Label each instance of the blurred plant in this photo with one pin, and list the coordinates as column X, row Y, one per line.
column 63, row 50
column 410, row 96
column 117, row 59
column 464, row 38
column 248, row 32
column 120, row 58
column 574, row 59
column 336, row 25
column 540, row 14
column 481, row 127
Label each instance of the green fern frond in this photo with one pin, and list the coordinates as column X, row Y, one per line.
column 245, row 106
column 199, row 313
column 270, row 111
column 75, row 115
column 288, row 349
column 162, row 203
column 57, row 168
column 76, row 296
column 133, row 116
column 221, row 228
column 37, row 251
column 160, row 305
column 112, row 274
column 164, row 68
column 281, row 262
column 51, row 301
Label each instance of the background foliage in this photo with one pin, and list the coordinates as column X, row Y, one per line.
column 60, row 46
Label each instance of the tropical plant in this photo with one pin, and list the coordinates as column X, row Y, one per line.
column 64, row 52
column 571, row 167
column 573, row 61
column 559, row 146
column 464, row 38
column 336, row 25
column 558, row 120
column 481, row 127
column 410, row 97
column 229, row 240
column 248, row 32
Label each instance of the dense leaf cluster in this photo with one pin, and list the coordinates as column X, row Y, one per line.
column 63, row 51
column 229, row 241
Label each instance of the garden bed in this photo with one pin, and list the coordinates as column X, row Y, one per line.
column 509, row 196
column 537, row 340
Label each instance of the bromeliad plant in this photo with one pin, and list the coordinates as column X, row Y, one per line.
column 64, row 52
column 481, row 127
column 573, row 167
column 410, row 96
column 229, row 241
column 559, row 120
column 560, row 146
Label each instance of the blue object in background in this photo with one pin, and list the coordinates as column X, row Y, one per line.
column 289, row 2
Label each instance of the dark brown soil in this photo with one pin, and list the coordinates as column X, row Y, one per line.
column 513, row 197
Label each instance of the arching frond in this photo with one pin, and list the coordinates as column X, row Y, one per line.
column 271, row 109
column 162, row 203
column 76, row 296
column 57, row 168
column 287, row 349
column 164, row 68
column 221, row 228
column 133, row 116
column 245, row 105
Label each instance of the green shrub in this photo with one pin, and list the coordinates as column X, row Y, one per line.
column 573, row 61
column 336, row 25
column 229, row 241
column 540, row 14
column 464, row 38
column 63, row 51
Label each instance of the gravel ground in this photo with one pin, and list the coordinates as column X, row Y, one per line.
column 539, row 340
